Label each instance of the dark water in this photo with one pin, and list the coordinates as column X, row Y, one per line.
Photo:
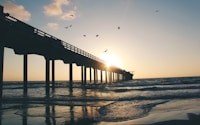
column 117, row 103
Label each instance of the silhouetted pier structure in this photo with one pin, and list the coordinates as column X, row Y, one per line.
column 25, row 39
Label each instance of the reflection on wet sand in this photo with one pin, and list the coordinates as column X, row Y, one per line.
column 48, row 112
column 24, row 113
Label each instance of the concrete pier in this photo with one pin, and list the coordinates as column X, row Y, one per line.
column 90, row 74
column 47, row 76
column 106, row 76
column 25, row 74
column 1, row 69
column 71, row 77
column 53, row 73
column 83, row 74
column 25, row 39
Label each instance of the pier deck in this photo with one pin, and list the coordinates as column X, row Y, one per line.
column 25, row 39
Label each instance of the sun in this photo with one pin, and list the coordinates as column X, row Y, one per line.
column 111, row 59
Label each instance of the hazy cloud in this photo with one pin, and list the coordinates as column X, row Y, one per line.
column 52, row 26
column 17, row 11
column 55, row 8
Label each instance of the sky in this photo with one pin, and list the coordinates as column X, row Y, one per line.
column 153, row 38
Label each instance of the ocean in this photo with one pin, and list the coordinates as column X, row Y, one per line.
column 158, row 101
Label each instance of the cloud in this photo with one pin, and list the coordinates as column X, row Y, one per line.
column 17, row 11
column 52, row 26
column 55, row 8
column 69, row 15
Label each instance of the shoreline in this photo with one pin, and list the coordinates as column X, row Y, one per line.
column 129, row 103
column 164, row 113
column 188, row 116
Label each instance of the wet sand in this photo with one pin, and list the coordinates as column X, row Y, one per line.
column 87, row 113
column 167, row 114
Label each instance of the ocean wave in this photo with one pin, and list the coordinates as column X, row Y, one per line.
column 122, row 111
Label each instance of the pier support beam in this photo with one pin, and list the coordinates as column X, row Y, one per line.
column 53, row 74
column 85, row 75
column 123, row 77
column 1, row 69
column 25, row 74
column 95, row 75
column 106, row 76
column 47, row 76
column 117, row 77
column 113, row 77
column 110, row 77
column 82, row 75
column 101, row 74
column 71, row 77
column 90, row 74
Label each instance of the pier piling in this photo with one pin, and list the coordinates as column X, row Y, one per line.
column 85, row 75
column 101, row 75
column 25, row 74
column 2, row 34
column 1, row 69
column 53, row 74
column 71, row 77
column 82, row 75
column 47, row 76
column 90, row 74
column 106, row 76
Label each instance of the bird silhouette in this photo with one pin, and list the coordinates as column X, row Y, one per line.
column 84, row 35
column 67, row 27
column 97, row 35
column 118, row 27
column 105, row 50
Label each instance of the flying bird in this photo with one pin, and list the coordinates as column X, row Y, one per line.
column 97, row 35
column 105, row 50
column 84, row 35
column 118, row 27
column 156, row 11
column 68, row 26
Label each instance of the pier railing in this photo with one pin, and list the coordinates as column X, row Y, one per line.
column 66, row 45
